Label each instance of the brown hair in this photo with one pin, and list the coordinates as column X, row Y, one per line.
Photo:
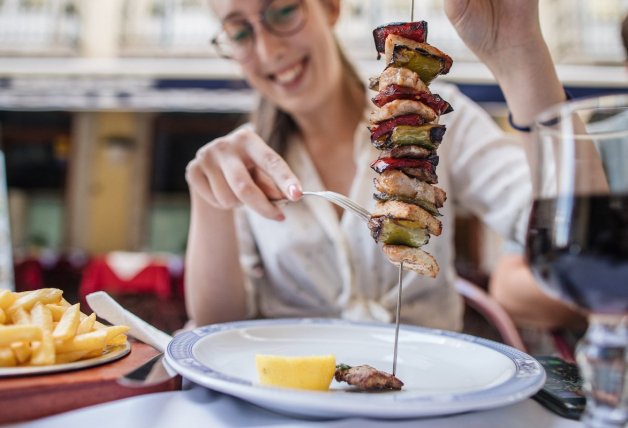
column 276, row 126
column 624, row 34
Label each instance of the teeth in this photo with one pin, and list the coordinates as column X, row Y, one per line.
column 289, row 75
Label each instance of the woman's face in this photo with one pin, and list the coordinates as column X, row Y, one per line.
column 297, row 72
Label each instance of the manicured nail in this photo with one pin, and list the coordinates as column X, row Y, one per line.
column 280, row 217
column 293, row 192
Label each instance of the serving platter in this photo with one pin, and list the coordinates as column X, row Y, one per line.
column 444, row 372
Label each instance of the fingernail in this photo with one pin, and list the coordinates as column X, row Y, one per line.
column 293, row 192
column 280, row 217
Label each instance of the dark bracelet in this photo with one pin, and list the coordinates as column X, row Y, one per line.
column 529, row 128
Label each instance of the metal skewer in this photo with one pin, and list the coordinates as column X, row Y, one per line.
column 397, row 320
column 399, row 286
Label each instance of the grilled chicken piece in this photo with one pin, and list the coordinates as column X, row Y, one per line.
column 367, row 378
column 395, row 182
column 401, row 108
column 413, row 258
column 398, row 76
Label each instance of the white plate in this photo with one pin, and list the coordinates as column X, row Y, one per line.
column 443, row 372
column 112, row 354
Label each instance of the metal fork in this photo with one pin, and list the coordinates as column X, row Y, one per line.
column 343, row 202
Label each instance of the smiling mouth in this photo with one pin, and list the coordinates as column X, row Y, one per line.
column 290, row 75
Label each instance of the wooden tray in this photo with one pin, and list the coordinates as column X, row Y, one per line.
column 31, row 397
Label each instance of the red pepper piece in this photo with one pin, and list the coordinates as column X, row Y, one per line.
column 387, row 126
column 383, row 164
column 416, row 31
column 397, row 92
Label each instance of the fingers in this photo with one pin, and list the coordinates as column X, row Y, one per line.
column 269, row 162
column 227, row 173
column 266, row 183
column 247, row 191
column 197, row 181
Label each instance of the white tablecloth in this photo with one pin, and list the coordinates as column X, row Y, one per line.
column 200, row 407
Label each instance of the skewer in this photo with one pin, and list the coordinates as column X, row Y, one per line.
column 399, row 287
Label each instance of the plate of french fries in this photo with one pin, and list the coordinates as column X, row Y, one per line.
column 41, row 332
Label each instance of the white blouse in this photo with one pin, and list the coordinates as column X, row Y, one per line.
column 316, row 265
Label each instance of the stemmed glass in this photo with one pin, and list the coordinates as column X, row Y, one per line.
column 577, row 242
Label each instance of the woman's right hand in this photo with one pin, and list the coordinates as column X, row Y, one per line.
column 240, row 168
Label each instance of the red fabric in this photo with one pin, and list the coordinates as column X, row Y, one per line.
column 29, row 275
column 98, row 276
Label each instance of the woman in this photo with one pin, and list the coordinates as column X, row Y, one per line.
column 250, row 257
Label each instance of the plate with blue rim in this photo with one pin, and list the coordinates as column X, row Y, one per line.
column 443, row 372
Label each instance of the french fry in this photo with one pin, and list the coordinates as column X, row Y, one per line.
column 94, row 353
column 83, row 342
column 40, row 327
column 44, row 354
column 41, row 316
column 68, row 324
column 20, row 317
column 119, row 340
column 86, row 324
column 57, row 311
column 70, row 357
column 6, row 298
column 18, row 333
column 22, row 351
column 43, row 295
column 114, row 331
column 7, row 358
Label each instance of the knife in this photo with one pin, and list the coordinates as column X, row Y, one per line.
column 155, row 370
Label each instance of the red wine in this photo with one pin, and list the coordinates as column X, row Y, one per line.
column 578, row 248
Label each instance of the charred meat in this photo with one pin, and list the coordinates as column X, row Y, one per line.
column 367, row 378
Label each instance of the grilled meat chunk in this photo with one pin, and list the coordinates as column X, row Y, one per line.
column 367, row 378
column 395, row 182
column 398, row 76
column 413, row 258
column 423, row 169
column 416, row 31
column 397, row 92
column 400, row 107
column 415, row 152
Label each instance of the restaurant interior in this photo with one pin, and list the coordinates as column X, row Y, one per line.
column 103, row 104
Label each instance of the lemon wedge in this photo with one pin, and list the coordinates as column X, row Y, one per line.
column 313, row 372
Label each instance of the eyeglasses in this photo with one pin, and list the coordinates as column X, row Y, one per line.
column 282, row 18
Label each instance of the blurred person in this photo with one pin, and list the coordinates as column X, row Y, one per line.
column 512, row 283
column 248, row 257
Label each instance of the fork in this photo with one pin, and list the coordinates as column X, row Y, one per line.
column 343, row 202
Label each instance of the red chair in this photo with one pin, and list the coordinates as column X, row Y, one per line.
column 154, row 278
column 29, row 274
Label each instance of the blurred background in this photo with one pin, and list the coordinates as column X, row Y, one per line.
column 103, row 103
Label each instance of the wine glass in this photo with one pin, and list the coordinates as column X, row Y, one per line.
column 577, row 242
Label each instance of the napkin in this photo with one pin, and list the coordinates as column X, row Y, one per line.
column 107, row 308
